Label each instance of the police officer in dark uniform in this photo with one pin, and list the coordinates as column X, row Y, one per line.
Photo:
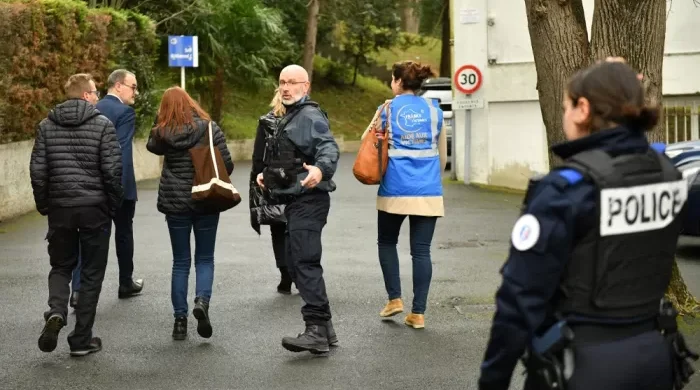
column 592, row 253
column 300, row 161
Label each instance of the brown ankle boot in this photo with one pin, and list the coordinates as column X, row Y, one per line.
column 415, row 321
column 393, row 307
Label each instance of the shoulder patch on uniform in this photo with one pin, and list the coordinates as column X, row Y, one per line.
column 659, row 147
column 321, row 127
column 526, row 232
column 571, row 175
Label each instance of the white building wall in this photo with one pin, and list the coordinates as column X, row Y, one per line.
column 504, row 142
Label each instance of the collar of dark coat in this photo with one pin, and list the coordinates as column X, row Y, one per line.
column 615, row 141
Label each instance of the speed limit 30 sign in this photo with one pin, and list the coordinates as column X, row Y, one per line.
column 468, row 79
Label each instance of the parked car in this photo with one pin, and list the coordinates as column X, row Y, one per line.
column 440, row 88
column 686, row 157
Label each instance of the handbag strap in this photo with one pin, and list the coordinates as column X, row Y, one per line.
column 387, row 129
column 385, row 108
column 373, row 122
column 387, row 137
column 211, row 150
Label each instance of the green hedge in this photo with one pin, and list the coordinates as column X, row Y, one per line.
column 46, row 41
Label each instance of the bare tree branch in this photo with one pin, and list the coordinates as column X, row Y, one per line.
column 144, row 2
column 177, row 13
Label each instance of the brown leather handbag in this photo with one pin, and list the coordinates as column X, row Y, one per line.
column 373, row 156
column 211, row 181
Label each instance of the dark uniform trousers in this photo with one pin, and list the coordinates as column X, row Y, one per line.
column 641, row 362
column 306, row 216
column 124, row 240
column 85, row 229
column 278, row 231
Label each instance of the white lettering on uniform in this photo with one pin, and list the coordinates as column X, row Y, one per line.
column 641, row 208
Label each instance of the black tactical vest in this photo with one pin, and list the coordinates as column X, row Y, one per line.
column 283, row 160
column 622, row 267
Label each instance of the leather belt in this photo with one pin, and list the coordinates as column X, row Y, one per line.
column 600, row 333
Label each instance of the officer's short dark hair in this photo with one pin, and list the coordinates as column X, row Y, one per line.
column 412, row 74
column 616, row 97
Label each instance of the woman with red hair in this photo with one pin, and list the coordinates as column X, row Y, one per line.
column 180, row 125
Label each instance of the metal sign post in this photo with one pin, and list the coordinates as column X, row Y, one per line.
column 183, row 52
column 467, row 80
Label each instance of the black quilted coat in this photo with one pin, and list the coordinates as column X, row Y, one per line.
column 262, row 210
column 76, row 160
column 175, row 191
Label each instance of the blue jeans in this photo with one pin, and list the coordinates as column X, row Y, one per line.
column 422, row 229
column 204, row 227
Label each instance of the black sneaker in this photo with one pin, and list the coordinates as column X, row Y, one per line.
column 201, row 313
column 49, row 336
column 95, row 345
column 180, row 328
column 314, row 339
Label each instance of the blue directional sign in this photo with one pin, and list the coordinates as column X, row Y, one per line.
column 183, row 51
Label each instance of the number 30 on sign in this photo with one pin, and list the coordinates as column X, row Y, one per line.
column 468, row 79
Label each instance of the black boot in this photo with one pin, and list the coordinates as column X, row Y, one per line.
column 180, row 328
column 132, row 289
column 201, row 313
column 285, row 286
column 95, row 345
column 49, row 335
column 332, row 338
column 314, row 339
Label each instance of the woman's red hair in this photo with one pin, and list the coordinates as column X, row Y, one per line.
column 176, row 108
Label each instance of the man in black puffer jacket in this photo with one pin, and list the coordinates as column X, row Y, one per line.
column 76, row 173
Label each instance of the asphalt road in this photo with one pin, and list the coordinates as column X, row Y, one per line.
column 250, row 318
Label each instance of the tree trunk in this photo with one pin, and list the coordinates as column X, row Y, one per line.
column 678, row 293
column 446, row 51
column 360, row 50
column 357, row 67
column 634, row 30
column 617, row 30
column 560, row 47
column 311, row 32
column 218, row 95
column 409, row 17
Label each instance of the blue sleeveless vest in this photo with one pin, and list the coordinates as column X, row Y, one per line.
column 414, row 161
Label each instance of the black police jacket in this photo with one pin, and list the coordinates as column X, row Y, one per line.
column 622, row 266
column 548, row 242
column 303, row 136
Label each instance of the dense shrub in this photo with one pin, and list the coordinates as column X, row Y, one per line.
column 46, row 41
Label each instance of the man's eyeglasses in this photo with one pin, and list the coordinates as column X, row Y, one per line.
column 97, row 93
column 285, row 83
